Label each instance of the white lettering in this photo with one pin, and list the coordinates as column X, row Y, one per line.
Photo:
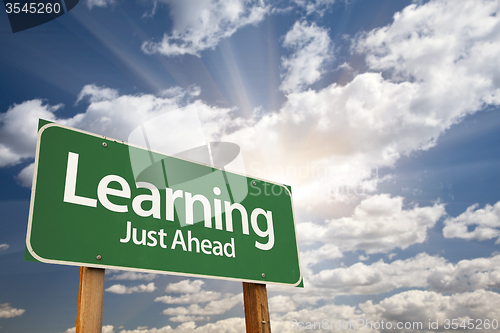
column 103, row 191
column 228, row 246
column 178, row 239
column 190, row 199
column 170, row 198
column 206, row 245
column 127, row 237
column 229, row 216
column 162, row 239
column 151, row 238
column 70, row 184
column 154, row 197
column 196, row 241
column 134, row 237
column 196, row 207
column 218, row 214
column 269, row 231
column 217, row 250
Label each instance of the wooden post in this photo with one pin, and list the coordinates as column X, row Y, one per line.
column 90, row 296
column 256, row 308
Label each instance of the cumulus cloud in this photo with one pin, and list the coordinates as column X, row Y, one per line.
column 422, row 271
column 132, row 276
column 486, row 223
column 25, row 177
column 311, row 49
column 193, row 294
column 4, row 246
column 18, row 130
column 310, row 258
column 378, row 224
column 185, row 287
column 230, row 325
column 105, row 329
column 414, row 308
column 99, row 3
column 430, row 68
column 121, row 289
column 378, row 277
column 314, row 6
column 420, row 306
column 216, row 307
column 435, row 64
column 283, row 323
column 97, row 94
column 466, row 275
column 281, row 303
column 199, row 297
column 427, row 44
column 183, row 318
column 6, row 311
column 200, row 25
column 108, row 113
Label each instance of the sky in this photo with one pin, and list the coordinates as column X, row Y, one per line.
column 381, row 115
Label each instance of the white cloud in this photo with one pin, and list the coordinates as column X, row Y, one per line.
column 435, row 64
column 186, row 327
column 132, row 276
column 198, row 297
column 99, row 3
column 339, row 135
column 376, row 278
column 420, row 306
column 18, row 130
column 200, row 25
column 25, row 177
column 451, row 48
column 183, row 318
column 466, row 275
column 97, row 94
column 216, row 307
column 378, row 224
column 421, row 271
column 6, row 311
column 311, row 47
column 230, row 325
column 105, row 329
column 285, row 322
column 281, row 303
column 193, row 295
column 108, row 329
column 315, row 6
column 185, row 287
column 486, row 221
column 310, row 258
column 408, row 307
column 4, row 246
column 121, row 289
column 108, row 114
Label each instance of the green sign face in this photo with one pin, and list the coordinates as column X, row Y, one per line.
column 100, row 202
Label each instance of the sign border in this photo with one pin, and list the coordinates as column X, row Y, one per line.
column 73, row 263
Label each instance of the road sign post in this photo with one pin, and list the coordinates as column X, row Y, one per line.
column 256, row 308
column 90, row 300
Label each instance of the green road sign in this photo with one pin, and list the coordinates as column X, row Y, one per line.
column 100, row 202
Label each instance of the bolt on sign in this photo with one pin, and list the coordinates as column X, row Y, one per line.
column 90, row 208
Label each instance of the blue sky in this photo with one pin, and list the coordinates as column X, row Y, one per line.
column 381, row 115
